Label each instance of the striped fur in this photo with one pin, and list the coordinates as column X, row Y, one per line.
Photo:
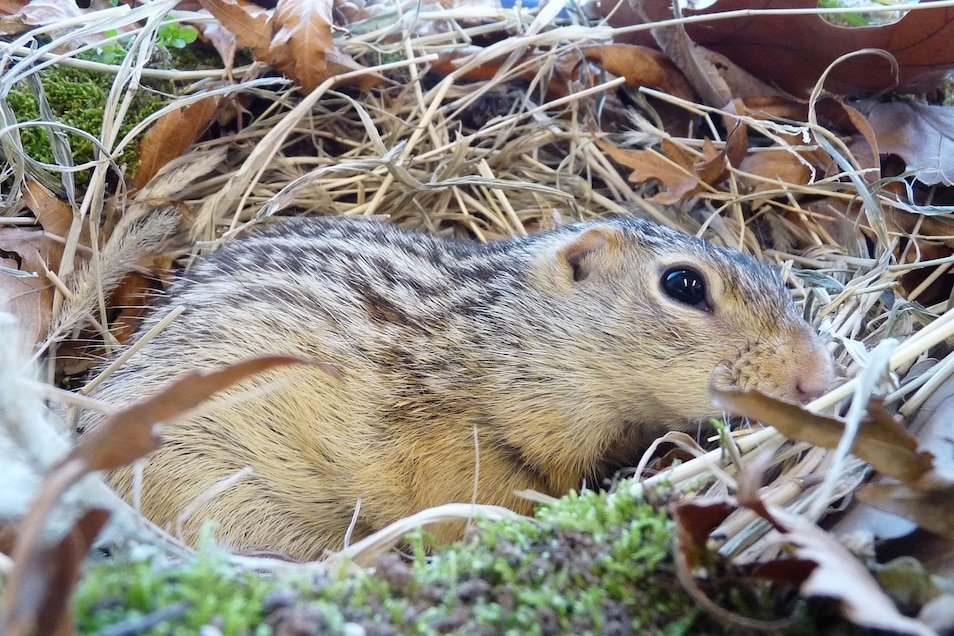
column 440, row 342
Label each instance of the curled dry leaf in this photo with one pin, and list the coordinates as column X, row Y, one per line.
column 679, row 171
column 821, row 565
column 41, row 586
column 171, row 136
column 836, row 574
column 124, row 437
column 793, row 51
column 222, row 40
column 921, row 134
column 130, row 434
column 931, row 506
column 295, row 38
column 9, row 7
column 695, row 520
column 52, row 213
column 768, row 167
column 881, row 441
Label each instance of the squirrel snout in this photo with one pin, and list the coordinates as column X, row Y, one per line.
column 814, row 375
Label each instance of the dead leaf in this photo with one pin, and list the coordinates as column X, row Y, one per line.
column 53, row 214
column 122, row 438
column 25, row 290
column 821, row 565
column 8, row 537
column 45, row 12
column 690, row 58
column 302, row 39
column 172, row 135
column 695, row 520
column 881, row 440
column 932, row 508
column 41, row 585
column 222, row 40
column 9, row 7
column 837, row 574
column 247, row 21
column 921, row 134
column 774, row 164
column 679, row 171
column 641, row 66
column 13, row 24
column 792, row 51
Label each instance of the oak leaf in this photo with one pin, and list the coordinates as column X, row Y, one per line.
column 25, row 290
column 247, row 21
column 793, row 51
column 675, row 168
column 302, row 38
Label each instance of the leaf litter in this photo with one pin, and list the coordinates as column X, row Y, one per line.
column 473, row 126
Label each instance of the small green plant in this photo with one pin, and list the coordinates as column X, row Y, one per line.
column 171, row 35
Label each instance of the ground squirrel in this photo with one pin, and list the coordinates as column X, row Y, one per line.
column 556, row 351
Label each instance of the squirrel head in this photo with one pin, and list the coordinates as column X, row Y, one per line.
column 668, row 311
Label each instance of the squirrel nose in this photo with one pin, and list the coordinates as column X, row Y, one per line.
column 814, row 378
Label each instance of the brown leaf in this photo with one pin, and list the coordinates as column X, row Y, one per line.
column 302, row 39
column 9, row 7
column 222, row 40
column 41, row 584
column 881, row 440
column 792, row 51
column 690, row 59
column 28, row 297
column 676, row 169
column 839, row 575
column 130, row 434
column 8, row 536
column 13, row 24
column 695, row 520
column 921, row 134
column 172, row 135
column 774, row 163
column 822, row 566
column 247, row 21
column 641, row 66
column 53, row 214
column 932, row 508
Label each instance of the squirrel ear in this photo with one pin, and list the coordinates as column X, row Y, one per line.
column 578, row 256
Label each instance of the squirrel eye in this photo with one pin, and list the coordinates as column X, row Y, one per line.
column 686, row 286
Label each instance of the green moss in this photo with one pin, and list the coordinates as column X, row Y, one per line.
column 589, row 564
column 77, row 98
column 581, row 566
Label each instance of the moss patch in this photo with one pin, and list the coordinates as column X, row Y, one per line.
column 586, row 565
column 77, row 98
column 582, row 566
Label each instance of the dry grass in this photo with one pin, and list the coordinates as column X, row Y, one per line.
column 412, row 152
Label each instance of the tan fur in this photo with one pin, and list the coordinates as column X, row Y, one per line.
column 559, row 351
